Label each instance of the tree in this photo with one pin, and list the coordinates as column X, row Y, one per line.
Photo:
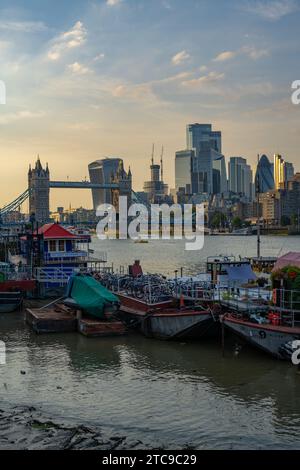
column 237, row 222
column 218, row 220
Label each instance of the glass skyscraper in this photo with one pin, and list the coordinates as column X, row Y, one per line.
column 264, row 177
column 101, row 172
column 202, row 137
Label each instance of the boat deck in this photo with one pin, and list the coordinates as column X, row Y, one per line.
column 264, row 326
column 51, row 320
column 244, row 306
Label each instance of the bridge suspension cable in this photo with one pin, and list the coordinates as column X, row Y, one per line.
column 16, row 203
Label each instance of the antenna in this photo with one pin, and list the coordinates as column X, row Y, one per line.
column 152, row 157
column 161, row 164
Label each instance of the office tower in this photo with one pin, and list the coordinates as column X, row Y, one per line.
column 264, row 177
column 102, row 172
column 240, row 177
column 201, row 137
column 289, row 171
column 283, row 172
column 202, row 172
column 183, row 169
column 279, row 178
column 219, row 166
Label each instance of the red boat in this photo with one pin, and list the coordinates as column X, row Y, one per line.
column 26, row 285
column 12, row 293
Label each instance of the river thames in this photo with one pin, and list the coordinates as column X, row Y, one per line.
column 158, row 394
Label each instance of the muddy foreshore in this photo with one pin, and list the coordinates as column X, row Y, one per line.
column 26, row 428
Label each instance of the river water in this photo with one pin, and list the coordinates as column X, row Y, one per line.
column 170, row 395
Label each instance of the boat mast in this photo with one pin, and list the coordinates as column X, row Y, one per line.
column 258, row 208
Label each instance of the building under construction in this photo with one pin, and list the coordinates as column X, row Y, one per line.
column 156, row 189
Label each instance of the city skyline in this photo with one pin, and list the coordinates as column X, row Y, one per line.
column 88, row 80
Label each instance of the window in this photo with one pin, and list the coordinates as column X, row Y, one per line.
column 52, row 245
column 61, row 245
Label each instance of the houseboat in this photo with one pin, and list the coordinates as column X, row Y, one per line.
column 274, row 326
column 55, row 253
column 147, row 303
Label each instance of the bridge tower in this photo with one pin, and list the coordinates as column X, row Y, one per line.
column 124, row 181
column 38, row 184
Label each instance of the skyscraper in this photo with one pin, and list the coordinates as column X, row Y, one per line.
column 101, row 172
column 289, row 172
column 207, row 145
column 183, row 169
column 264, row 177
column 240, row 177
column 219, row 166
column 278, row 171
column 201, row 137
column 283, row 172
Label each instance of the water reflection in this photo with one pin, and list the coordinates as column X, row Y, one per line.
column 180, row 393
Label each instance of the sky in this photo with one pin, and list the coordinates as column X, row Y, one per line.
column 88, row 79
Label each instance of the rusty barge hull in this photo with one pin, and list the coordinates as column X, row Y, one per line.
column 268, row 338
column 179, row 325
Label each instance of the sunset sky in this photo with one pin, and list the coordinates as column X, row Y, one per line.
column 88, row 79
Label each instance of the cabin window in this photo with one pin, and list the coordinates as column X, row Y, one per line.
column 52, row 245
column 61, row 245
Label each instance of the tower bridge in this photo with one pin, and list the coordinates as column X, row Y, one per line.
column 39, row 185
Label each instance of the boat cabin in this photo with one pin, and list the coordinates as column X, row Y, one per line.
column 54, row 253
column 227, row 270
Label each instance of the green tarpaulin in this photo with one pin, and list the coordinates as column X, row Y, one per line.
column 91, row 296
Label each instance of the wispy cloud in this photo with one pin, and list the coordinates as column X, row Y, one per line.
column 180, row 58
column 73, row 38
column 78, row 68
column 224, row 56
column 99, row 57
column 203, row 81
column 249, row 51
column 272, row 10
column 112, row 3
column 20, row 115
column 255, row 53
column 23, row 26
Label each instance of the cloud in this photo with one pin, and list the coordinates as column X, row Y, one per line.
column 249, row 51
column 78, row 69
column 99, row 57
column 254, row 53
column 12, row 117
column 71, row 39
column 180, row 57
column 203, row 81
column 272, row 10
column 23, row 26
column 226, row 55
column 112, row 3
